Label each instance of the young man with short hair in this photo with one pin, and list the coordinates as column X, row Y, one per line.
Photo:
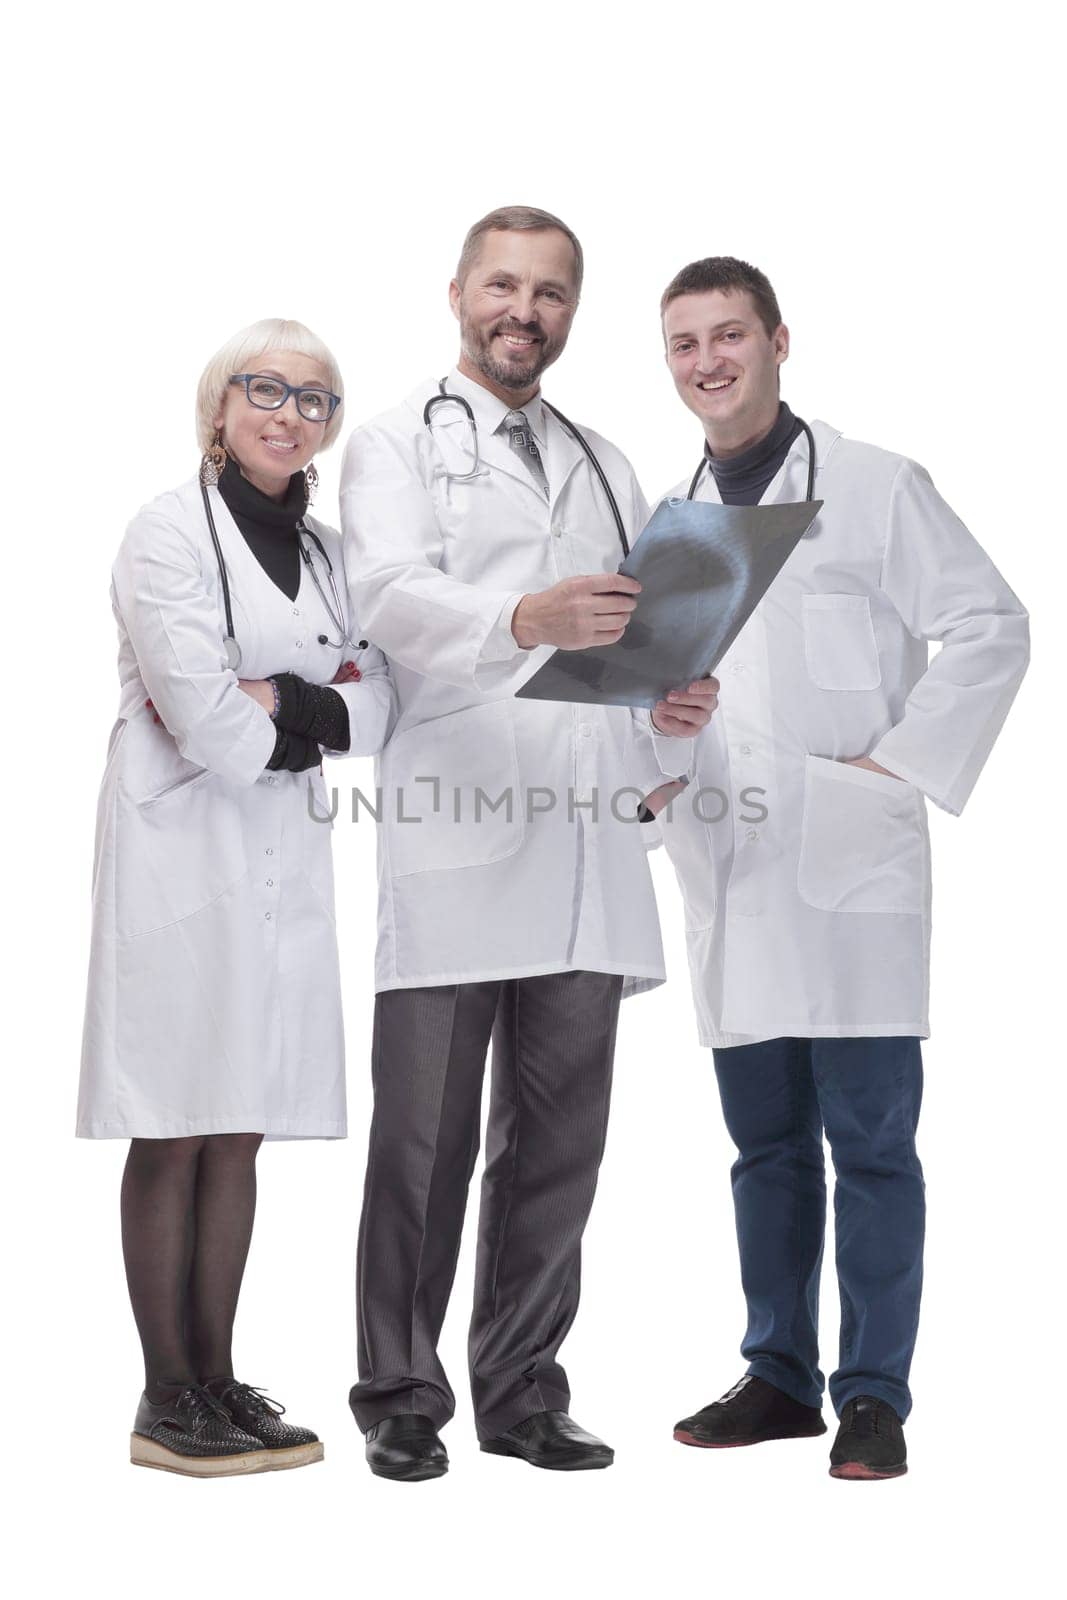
column 809, row 929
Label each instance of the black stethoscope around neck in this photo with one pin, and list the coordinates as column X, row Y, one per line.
column 333, row 610
column 444, row 398
column 809, row 495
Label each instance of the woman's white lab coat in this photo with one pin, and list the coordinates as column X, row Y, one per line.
column 214, row 999
column 807, row 905
column 539, row 884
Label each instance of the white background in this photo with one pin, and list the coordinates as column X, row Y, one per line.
column 175, row 173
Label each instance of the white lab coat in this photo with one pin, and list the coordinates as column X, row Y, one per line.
column 214, row 998
column 437, row 568
column 813, row 920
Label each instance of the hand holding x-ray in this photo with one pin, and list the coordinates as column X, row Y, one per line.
column 578, row 612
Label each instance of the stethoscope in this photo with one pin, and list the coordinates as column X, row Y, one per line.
column 334, row 611
column 810, row 495
column 444, row 398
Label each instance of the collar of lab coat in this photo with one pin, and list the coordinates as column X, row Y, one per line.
column 791, row 479
column 490, row 411
column 559, row 451
column 238, row 556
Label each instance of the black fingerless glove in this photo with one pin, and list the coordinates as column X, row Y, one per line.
column 314, row 711
column 293, row 752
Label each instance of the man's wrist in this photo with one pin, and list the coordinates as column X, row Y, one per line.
column 525, row 636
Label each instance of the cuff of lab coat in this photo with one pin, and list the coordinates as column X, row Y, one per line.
column 674, row 757
column 371, row 713
column 245, row 760
column 886, row 756
column 500, row 643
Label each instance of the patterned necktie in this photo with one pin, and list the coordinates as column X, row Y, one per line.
column 525, row 445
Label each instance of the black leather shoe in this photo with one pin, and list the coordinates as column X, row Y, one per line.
column 194, row 1435
column 869, row 1443
column 752, row 1412
column 550, row 1439
column 407, row 1448
column 255, row 1413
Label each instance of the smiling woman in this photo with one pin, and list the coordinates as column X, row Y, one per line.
column 245, row 353
column 213, row 1016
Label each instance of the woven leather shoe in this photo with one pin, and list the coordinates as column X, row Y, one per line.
column 551, row 1439
column 406, row 1448
column 255, row 1413
column 752, row 1412
column 869, row 1443
column 194, row 1435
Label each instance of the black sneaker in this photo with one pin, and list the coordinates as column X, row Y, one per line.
column 870, row 1441
column 194, row 1435
column 257, row 1414
column 752, row 1412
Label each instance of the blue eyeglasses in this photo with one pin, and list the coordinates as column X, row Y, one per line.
column 270, row 394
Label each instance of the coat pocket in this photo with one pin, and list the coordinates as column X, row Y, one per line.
column 839, row 644
column 863, row 844
column 451, row 792
column 316, row 827
column 187, row 781
column 689, row 842
column 178, row 833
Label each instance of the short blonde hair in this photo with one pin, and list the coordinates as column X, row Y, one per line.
column 241, row 353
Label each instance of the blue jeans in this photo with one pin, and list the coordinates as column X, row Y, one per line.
column 778, row 1098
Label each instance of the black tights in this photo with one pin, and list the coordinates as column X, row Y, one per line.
column 187, row 1212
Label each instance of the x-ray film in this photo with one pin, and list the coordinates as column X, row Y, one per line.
column 703, row 569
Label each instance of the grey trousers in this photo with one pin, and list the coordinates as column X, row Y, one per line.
column 553, row 1044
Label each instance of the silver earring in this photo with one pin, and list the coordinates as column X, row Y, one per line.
column 311, row 480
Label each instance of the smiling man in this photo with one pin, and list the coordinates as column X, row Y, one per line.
column 514, row 901
column 809, row 931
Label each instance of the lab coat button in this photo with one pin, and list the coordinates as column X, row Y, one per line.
column 270, row 850
column 272, row 781
column 300, row 644
column 746, row 749
column 266, row 915
column 585, row 730
column 752, row 833
column 270, row 883
column 296, row 611
column 736, row 668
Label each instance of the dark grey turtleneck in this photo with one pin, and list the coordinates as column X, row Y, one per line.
column 743, row 480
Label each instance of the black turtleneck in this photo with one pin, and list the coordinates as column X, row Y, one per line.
column 268, row 526
column 309, row 715
column 743, row 480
